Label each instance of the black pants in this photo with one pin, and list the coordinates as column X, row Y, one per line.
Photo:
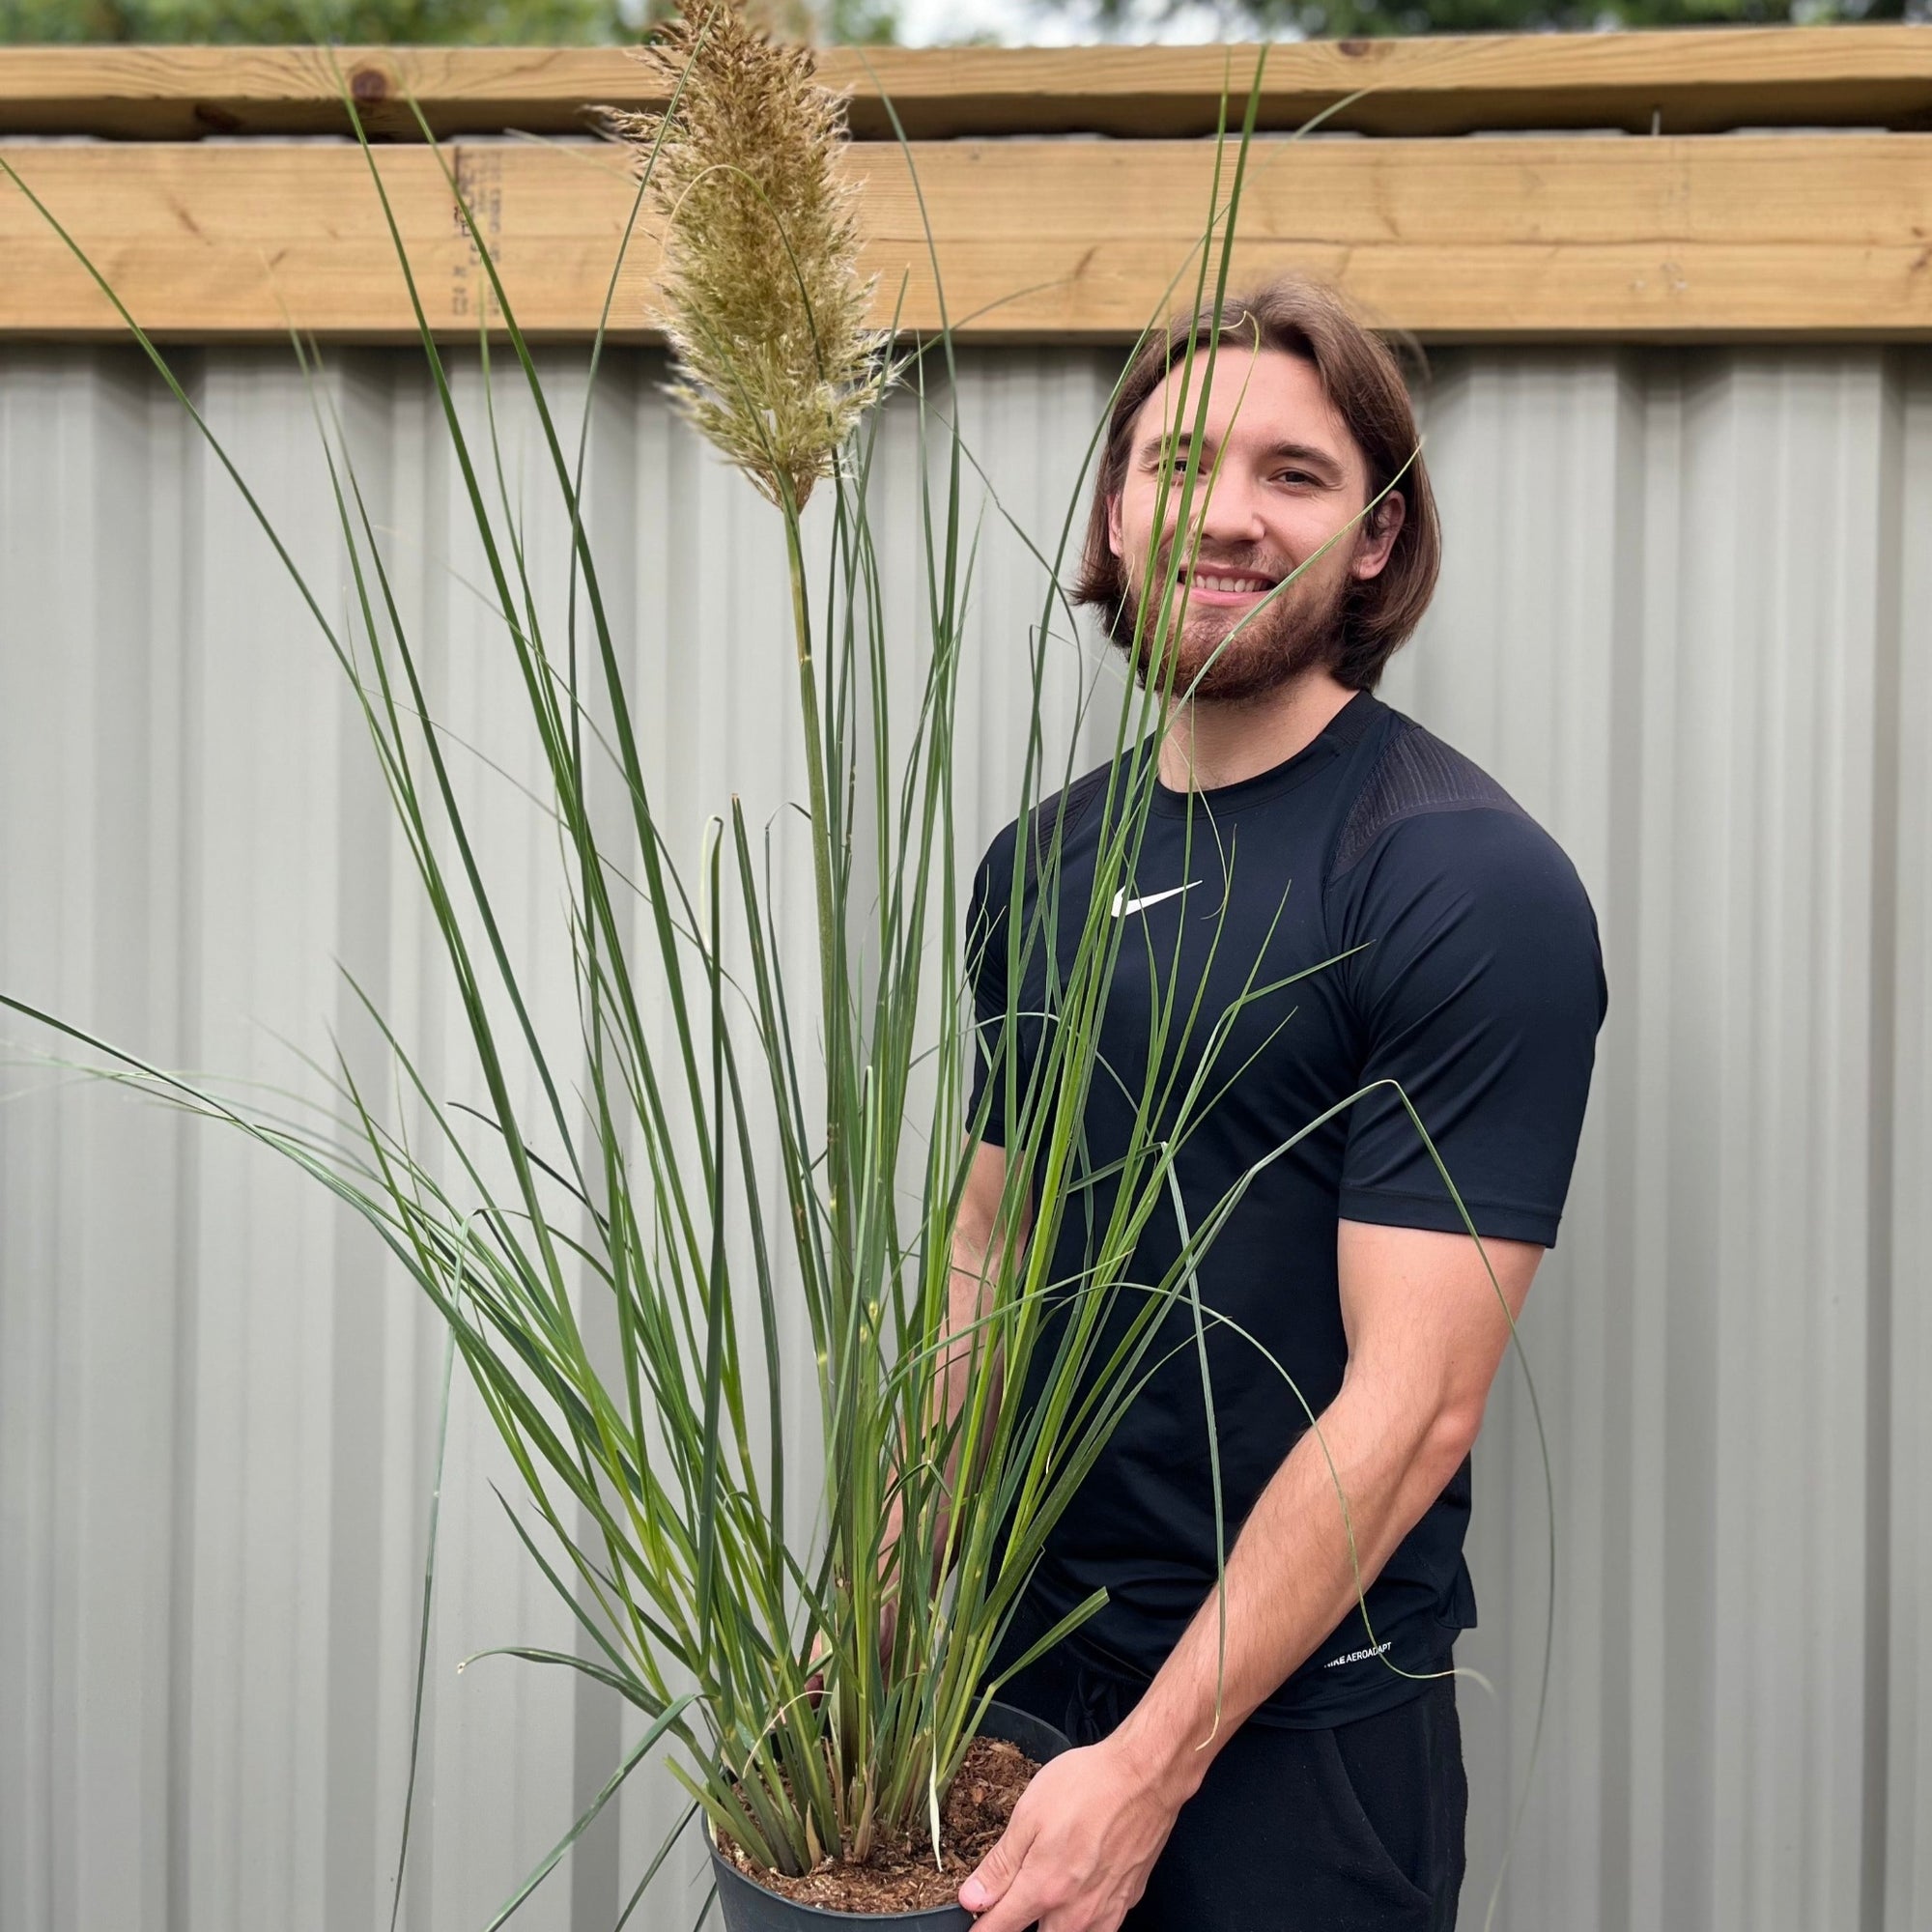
column 1357, row 1828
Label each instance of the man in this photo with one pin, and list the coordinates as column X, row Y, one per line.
column 1297, row 821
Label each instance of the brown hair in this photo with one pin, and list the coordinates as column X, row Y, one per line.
column 1363, row 381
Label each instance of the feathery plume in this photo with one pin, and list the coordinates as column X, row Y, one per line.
column 764, row 308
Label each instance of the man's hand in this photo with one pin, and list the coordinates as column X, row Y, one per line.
column 1079, row 1847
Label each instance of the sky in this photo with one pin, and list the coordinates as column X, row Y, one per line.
column 1017, row 23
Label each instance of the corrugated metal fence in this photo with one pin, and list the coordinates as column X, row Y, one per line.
column 1684, row 619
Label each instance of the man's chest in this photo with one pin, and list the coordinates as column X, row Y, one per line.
column 1226, row 995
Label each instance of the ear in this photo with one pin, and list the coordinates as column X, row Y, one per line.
column 1380, row 529
column 1114, row 540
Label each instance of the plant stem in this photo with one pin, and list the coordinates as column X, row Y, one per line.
column 821, row 858
column 837, row 1202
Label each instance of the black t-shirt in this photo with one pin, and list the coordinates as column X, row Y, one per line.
column 1471, row 976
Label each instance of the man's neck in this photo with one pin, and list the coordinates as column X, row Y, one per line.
column 1207, row 745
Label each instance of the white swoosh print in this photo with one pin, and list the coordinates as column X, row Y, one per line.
column 1124, row 907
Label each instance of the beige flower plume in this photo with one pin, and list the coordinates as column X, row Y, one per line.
column 763, row 304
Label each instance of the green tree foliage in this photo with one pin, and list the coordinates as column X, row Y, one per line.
column 860, row 22
column 259, row 22
column 402, row 22
column 1127, row 19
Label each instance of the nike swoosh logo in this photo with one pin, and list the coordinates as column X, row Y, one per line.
column 1124, row 907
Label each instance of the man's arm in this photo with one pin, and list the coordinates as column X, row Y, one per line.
column 1426, row 1334
column 979, row 1245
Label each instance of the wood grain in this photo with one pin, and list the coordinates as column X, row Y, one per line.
column 1686, row 81
column 1524, row 238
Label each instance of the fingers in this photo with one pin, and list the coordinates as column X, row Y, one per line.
column 1024, row 1909
column 1014, row 1891
column 1018, row 1909
column 992, row 1888
column 1030, row 1903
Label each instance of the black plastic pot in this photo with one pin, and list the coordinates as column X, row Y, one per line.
column 750, row 1908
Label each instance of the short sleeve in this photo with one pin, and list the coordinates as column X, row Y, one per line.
column 987, row 976
column 1479, row 990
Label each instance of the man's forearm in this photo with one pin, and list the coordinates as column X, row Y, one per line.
column 978, row 1245
column 1290, row 1578
column 975, row 1266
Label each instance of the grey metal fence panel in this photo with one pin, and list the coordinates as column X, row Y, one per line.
column 1672, row 603
column 1898, row 1703
column 1684, row 619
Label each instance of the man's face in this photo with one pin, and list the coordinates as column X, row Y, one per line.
column 1287, row 476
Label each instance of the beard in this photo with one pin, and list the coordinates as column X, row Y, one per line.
column 1299, row 629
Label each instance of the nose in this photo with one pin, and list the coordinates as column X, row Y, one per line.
column 1229, row 512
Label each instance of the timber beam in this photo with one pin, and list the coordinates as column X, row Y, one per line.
column 1675, row 82
column 1663, row 239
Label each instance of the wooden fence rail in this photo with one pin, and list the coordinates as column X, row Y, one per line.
column 1674, row 83
column 1824, row 231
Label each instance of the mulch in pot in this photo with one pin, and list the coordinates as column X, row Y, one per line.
column 901, row 1877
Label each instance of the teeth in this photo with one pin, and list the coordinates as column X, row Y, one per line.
column 1203, row 581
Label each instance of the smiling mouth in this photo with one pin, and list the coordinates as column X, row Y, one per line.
column 1228, row 583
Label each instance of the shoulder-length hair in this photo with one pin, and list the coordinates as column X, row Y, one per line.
column 1363, row 383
